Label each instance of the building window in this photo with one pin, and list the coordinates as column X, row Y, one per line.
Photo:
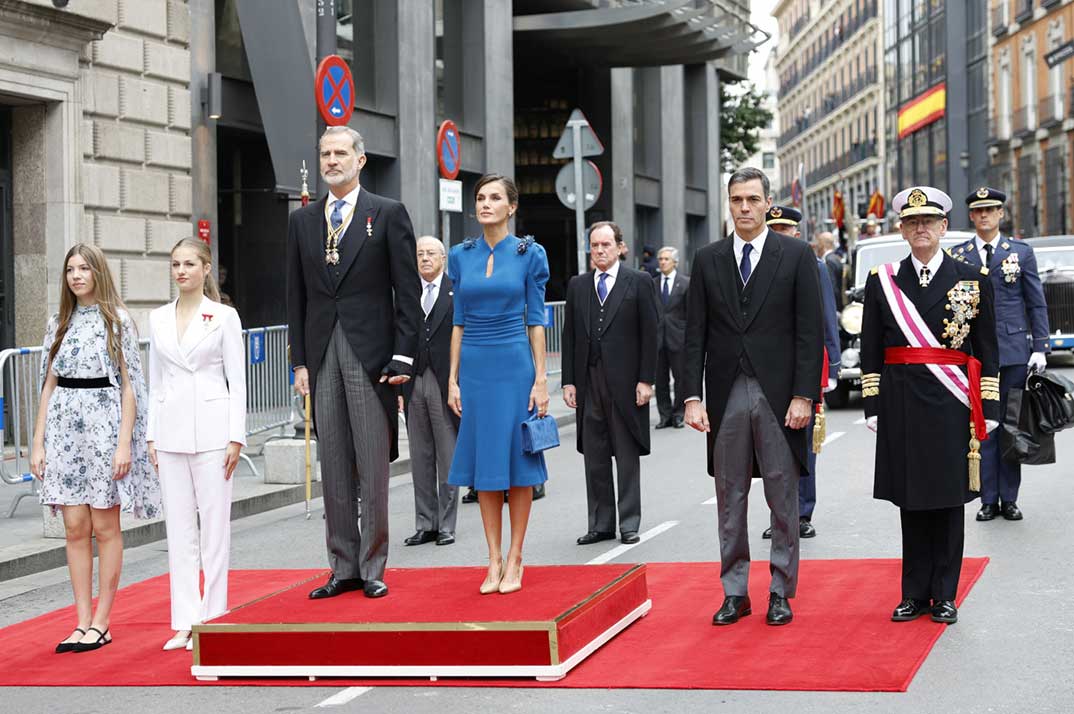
column 768, row 160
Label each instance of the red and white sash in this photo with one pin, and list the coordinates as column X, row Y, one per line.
column 918, row 333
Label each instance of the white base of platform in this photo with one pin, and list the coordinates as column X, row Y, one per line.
column 542, row 673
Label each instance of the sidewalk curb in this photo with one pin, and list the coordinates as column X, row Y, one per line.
column 151, row 532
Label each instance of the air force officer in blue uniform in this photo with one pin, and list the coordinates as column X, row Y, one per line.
column 1022, row 327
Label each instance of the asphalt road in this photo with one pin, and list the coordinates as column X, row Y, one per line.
column 1010, row 652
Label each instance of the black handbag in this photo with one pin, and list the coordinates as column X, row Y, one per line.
column 1051, row 398
column 539, row 434
column 1021, row 439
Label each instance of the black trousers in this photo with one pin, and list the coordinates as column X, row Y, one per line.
column 669, row 361
column 932, row 544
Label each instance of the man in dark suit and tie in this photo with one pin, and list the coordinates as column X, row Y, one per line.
column 670, row 337
column 835, row 265
column 353, row 319
column 753, row 336
column 432, row 426
column 609, row 361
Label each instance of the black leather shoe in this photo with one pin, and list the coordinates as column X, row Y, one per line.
column 630, row 537
column 470, row 496
column 988, row 512
column 595, row 537
column 767, row 535
column 375, row 588
column 944, row 611
column 806, row 529
column 663, row 424
column 1010, row 511
column 779, row 610
column 910, row 609
column 445, row 539
column 335, row 586
column 420, row 538
column 734, row 607
column 679, row 422
column 538, row 492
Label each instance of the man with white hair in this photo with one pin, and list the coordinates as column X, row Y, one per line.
column 353, row 310
column 671, row 286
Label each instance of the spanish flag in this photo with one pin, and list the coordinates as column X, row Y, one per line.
column 923, row 110
column 876, row 205
column 839, row 210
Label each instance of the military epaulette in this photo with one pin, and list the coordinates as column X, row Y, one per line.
column 875, row 271
column 984, row 271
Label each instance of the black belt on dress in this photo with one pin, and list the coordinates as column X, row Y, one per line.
column 72, row 383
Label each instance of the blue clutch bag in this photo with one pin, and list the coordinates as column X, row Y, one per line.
column 538, row 434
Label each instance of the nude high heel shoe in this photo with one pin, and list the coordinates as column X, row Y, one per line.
column 511, row 586
column 491, row 584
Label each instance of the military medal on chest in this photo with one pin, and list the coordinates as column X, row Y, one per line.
column 1010, row 268
column 962, row 301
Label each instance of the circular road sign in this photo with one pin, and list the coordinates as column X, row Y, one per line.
column 334, row 88
column 592, row 184
column 447, row 149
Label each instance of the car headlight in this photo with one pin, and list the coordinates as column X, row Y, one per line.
column 850, row 320
column 850, row 358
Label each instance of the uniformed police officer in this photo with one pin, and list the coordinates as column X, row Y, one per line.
column 931, row 391
column 1022, row 327
column 785, row 220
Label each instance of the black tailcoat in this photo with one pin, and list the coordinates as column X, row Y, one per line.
column 627, row 348
column 923, row 431
column 374, row 290
column 434, row 346
column 772, row 326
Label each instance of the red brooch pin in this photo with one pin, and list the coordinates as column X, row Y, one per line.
column 206, row 318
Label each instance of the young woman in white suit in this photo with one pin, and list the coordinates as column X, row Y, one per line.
column 197, row 428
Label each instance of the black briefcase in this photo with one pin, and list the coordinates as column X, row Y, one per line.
column 1051, row 398
column 1021, row 439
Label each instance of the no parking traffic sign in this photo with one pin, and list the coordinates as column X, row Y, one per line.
column 334, row 89
column 447, row 149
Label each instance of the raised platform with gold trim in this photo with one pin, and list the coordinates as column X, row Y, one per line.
column 432, row 624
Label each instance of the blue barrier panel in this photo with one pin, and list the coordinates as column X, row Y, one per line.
column 1, row 413
column 257, row 346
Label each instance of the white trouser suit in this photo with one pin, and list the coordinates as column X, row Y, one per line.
column 197, row 396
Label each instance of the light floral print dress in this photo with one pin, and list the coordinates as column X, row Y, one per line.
column 82, row 425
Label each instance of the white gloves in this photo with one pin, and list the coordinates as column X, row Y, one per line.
column 1037, row 362
column 990, row 425
column 871, row 423
column 832, row 384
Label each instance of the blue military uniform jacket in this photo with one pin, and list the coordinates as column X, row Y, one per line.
column 831, row 320
column 1021, row 313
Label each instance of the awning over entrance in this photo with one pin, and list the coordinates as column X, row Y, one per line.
column 639, row 33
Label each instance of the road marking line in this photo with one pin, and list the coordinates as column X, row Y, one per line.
column 710, row 502
column 832, row 437
column 619, row 550
column 342, row 697
column 860, row 421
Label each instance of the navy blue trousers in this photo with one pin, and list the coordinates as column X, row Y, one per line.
column 999, row 479
column 807, row 485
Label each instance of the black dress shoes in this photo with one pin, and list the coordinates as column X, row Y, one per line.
column 679, row 422
column 944, row 611
column 470, row 496
column 445, row 538
column 630, row 537
column 734, row 607
column 806, row 529
column 988, row 512
column 1010, row 511
column 779, row 610
column 595, row 537
column 374, row 588
column 663, row 424
column 910, row 609
column 538, row 492
column 335, row 586
column 420, row 538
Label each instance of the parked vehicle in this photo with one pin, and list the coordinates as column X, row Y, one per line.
column 1055, row 263
column 868, row 253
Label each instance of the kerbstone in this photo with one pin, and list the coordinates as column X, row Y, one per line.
column 143, row 101
column 167, row 62
column 145, row 191
column 122, row 142
column 146, row 280
column 100, row 185
column 118, row 51
column 122, row 233
column 168, row 149
column 148, row 16
column 285, row 461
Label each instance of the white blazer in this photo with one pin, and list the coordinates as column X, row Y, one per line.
column 197, row 387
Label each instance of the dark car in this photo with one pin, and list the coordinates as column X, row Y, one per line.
column 1055, row 262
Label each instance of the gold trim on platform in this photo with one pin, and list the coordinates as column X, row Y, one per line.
column 592, row 596
column 535, row 626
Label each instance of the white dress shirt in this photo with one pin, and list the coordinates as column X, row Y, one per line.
column 933, row 264
column 755, row 255
column 436, row 290
column 670, row 279
column 609, row 282
column 981, row 243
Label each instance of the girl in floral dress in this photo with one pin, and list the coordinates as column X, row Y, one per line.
column 89, row 445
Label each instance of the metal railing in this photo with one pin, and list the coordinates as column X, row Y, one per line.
column 816, row 55
column 553, row 335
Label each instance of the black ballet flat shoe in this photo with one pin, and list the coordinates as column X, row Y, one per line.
column 68, row 646
column 90, row 646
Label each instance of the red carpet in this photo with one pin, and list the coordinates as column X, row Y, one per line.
column 841, row 638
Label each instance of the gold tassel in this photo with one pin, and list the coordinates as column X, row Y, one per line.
column 974, row 460
column 820, row 430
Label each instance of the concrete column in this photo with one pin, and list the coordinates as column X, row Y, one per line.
column 958, row 129
column 712, row 153
column 622, row 143
column 202, row 128
column 499, row 88
column 672, row 157
column 417, row 113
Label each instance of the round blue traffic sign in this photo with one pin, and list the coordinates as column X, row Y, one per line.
column 447, row 150
column 334, row 90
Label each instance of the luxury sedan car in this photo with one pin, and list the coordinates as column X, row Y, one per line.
column 1055, row 261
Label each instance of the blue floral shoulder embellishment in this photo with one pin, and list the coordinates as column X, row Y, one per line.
column 524, row 244
column 469, row 243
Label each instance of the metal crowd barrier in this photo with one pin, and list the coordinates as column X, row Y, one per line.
column 553, row 336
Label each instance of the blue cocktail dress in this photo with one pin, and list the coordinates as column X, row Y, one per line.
column 496, row 369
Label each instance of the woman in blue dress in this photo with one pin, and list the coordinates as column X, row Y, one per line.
column 498, row 376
